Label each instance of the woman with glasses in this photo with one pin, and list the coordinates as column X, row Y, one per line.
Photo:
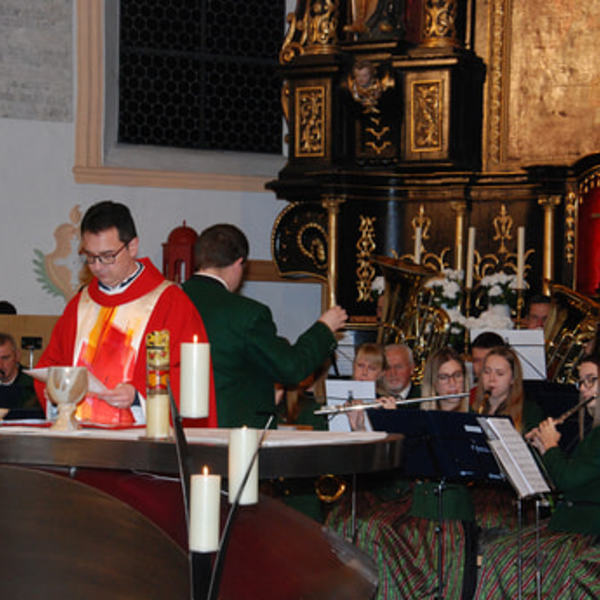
column 416, row 543
column 570, row 565
column 400, row 532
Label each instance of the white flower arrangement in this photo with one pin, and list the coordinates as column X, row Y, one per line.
column 501, row 288
column 447, row 290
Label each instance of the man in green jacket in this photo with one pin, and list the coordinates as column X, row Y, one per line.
column 248, row 356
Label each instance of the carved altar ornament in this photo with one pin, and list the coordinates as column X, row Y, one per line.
column 313, row 32
column 366, row 88
column 439, row 23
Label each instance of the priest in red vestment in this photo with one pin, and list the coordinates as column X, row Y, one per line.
column 104, row 326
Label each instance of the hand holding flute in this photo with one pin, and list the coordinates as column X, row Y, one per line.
column 545, row 435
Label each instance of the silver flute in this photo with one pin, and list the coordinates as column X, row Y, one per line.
column 334, row 410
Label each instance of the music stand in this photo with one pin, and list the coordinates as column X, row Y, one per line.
column 441, row 445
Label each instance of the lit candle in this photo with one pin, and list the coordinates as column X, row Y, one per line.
column 470, row 258
column 205, row 503
column 520, row 257
column 242, row 446
column 194, row 379
column 418, row 245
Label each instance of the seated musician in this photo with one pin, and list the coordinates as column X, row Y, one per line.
column 398, row 530
column 538, row 311
column 17, row 395
column 570, row 565
column 500, row 393
column 480, row 347
column 398, row 372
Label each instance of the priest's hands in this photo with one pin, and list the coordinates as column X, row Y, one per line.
column 122, row 396
column 335, row 318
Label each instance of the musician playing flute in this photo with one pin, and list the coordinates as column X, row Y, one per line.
column 570, row 566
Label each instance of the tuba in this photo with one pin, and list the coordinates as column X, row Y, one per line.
column 572, row 323
column 408, row 314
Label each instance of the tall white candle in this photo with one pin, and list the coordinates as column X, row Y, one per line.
column 194, row 379
column 242, row 445
column 418, row 245
column 470, row 258
column 205, row 502
column 520, row 257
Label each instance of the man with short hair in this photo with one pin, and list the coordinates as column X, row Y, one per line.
column 16, row 388
column 538, row 312
column 397, row 375
column 104, row 326
column 247, row 354
column 480, row 347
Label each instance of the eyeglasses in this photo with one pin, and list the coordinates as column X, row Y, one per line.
column 456, row 377
column 107, row 258
column 587, row 382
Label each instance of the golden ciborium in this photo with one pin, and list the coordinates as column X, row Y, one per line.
column 66, row 387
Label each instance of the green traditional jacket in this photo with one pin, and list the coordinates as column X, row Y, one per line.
column 577, row 477
column 248, row 357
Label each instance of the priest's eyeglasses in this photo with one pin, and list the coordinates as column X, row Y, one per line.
column 106, row 258
column 587, row 382
column 457, row 377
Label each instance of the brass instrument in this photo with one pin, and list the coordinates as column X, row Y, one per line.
column 335, row 410
column 408, row 315
column 571, row 324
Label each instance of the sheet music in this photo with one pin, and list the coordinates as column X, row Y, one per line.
column 514, row 456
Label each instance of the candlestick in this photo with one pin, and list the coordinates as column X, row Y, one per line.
column 205, row 503
column 194, row 379
column 520, row 257
column 470, row 259
column 242, row 446
column 418, row 246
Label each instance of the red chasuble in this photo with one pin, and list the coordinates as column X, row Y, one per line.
column 106, row 334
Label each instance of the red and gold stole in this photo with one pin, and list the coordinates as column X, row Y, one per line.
column 108, row 342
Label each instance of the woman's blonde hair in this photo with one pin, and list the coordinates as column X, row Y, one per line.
column 374, row 353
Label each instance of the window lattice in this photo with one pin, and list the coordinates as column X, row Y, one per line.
column 201, row 74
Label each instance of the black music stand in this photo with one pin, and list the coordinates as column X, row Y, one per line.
column 441, row 445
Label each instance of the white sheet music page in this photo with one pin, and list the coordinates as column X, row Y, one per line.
column 514, row 456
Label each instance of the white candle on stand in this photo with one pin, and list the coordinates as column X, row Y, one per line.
column 470, row 259
column 194, row 379
column 520, row 257
column 242, row 446
column 205, row 505
column 418, row 245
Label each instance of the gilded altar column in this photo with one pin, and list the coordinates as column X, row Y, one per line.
column 549, row 204
column 439, row 24
column 460, row 211
column 332, row 205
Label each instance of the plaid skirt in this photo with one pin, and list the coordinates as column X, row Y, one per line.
column 405, row 548
column 569, row 566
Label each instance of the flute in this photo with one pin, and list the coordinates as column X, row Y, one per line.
column 562, row 418
column 334, row 410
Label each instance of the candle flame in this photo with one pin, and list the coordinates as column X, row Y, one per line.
column 205, row 470
column 195, row 338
